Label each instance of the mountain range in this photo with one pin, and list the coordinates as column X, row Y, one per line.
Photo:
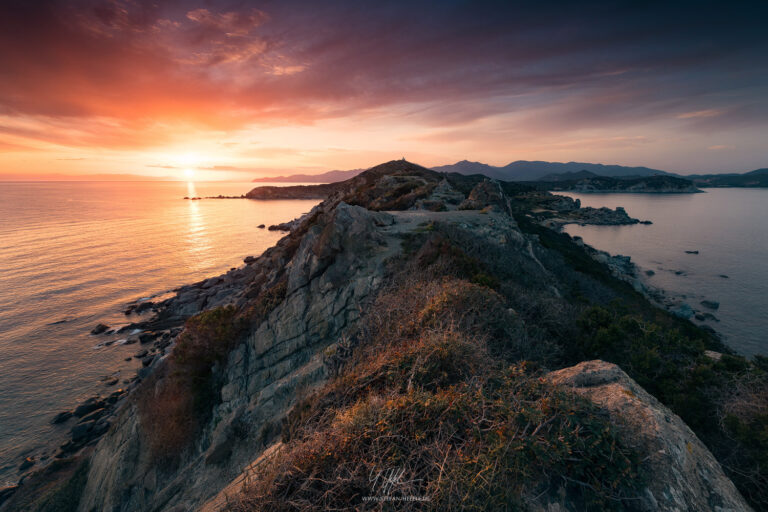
column 539, row 171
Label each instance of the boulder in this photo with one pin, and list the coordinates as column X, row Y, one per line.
column 683, row 311
column 147, row 337
column 711, row 304
column 93, row 416
column 486, row 194
column 684, row 474
column 88, row 406
column 61, row 417
column 27, row 463
column 81, row 431
column 99, row 329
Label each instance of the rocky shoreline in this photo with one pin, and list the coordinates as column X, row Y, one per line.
column 301, row 309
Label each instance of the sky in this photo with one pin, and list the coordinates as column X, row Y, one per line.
column 234, row 90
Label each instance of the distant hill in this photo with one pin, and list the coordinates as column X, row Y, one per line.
column 524, row 170
column 521, row 170
column 326, row 177
column 568, row 176
column 588, row 182
column 757, row 178
column 551, row 172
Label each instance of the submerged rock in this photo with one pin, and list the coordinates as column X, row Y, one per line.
column 711, row 304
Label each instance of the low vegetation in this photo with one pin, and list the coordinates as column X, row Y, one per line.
column 177, row 400
column 442, row 381
column 428, row 401
column 436, row 391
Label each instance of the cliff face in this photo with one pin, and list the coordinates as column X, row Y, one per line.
column 335, row 269
column 397, row 268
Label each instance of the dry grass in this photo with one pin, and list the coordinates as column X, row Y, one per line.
column 422, row 397
column 177, row 399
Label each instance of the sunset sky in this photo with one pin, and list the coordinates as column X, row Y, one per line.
column 238, row 90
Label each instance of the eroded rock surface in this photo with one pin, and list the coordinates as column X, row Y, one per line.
column 683, row 474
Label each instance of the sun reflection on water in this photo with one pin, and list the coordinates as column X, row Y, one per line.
column 198, row 241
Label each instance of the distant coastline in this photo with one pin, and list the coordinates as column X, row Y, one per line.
column 546, row 172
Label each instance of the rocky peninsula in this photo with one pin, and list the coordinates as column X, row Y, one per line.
column 425, row 339
column 586, row 181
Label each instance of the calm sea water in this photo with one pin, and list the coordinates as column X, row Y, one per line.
column 73, row 255
column 729, row 228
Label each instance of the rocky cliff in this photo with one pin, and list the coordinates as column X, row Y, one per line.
column 405, row 295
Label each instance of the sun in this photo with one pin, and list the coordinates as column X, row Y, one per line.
column 189, row 173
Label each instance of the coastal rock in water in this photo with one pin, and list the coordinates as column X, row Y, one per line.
column 683, row 311
column 147, row 337
column 92, row 416
column 6, row 492
column 27, row 463
column 61, row 417
column 81, row 431
column 684, row 474
column 691, row 252
column 285, row 226
column 99, row 329
column 711, row 304
column 88, row 406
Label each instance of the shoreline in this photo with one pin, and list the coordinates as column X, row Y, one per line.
column 485, row 212
column 155, row 336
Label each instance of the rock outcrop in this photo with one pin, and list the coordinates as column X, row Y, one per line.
column 684, row 474
column 329, row 269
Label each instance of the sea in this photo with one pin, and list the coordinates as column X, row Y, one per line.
column 73, row 255
column 711, row 246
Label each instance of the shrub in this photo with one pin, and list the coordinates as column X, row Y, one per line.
column 724, row 401
column 178, row 398
column 505, row 439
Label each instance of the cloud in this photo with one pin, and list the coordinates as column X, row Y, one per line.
column 222, row 168
column 139, row 73
column 719, row 147
column 699, row 113
column 232, row 23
